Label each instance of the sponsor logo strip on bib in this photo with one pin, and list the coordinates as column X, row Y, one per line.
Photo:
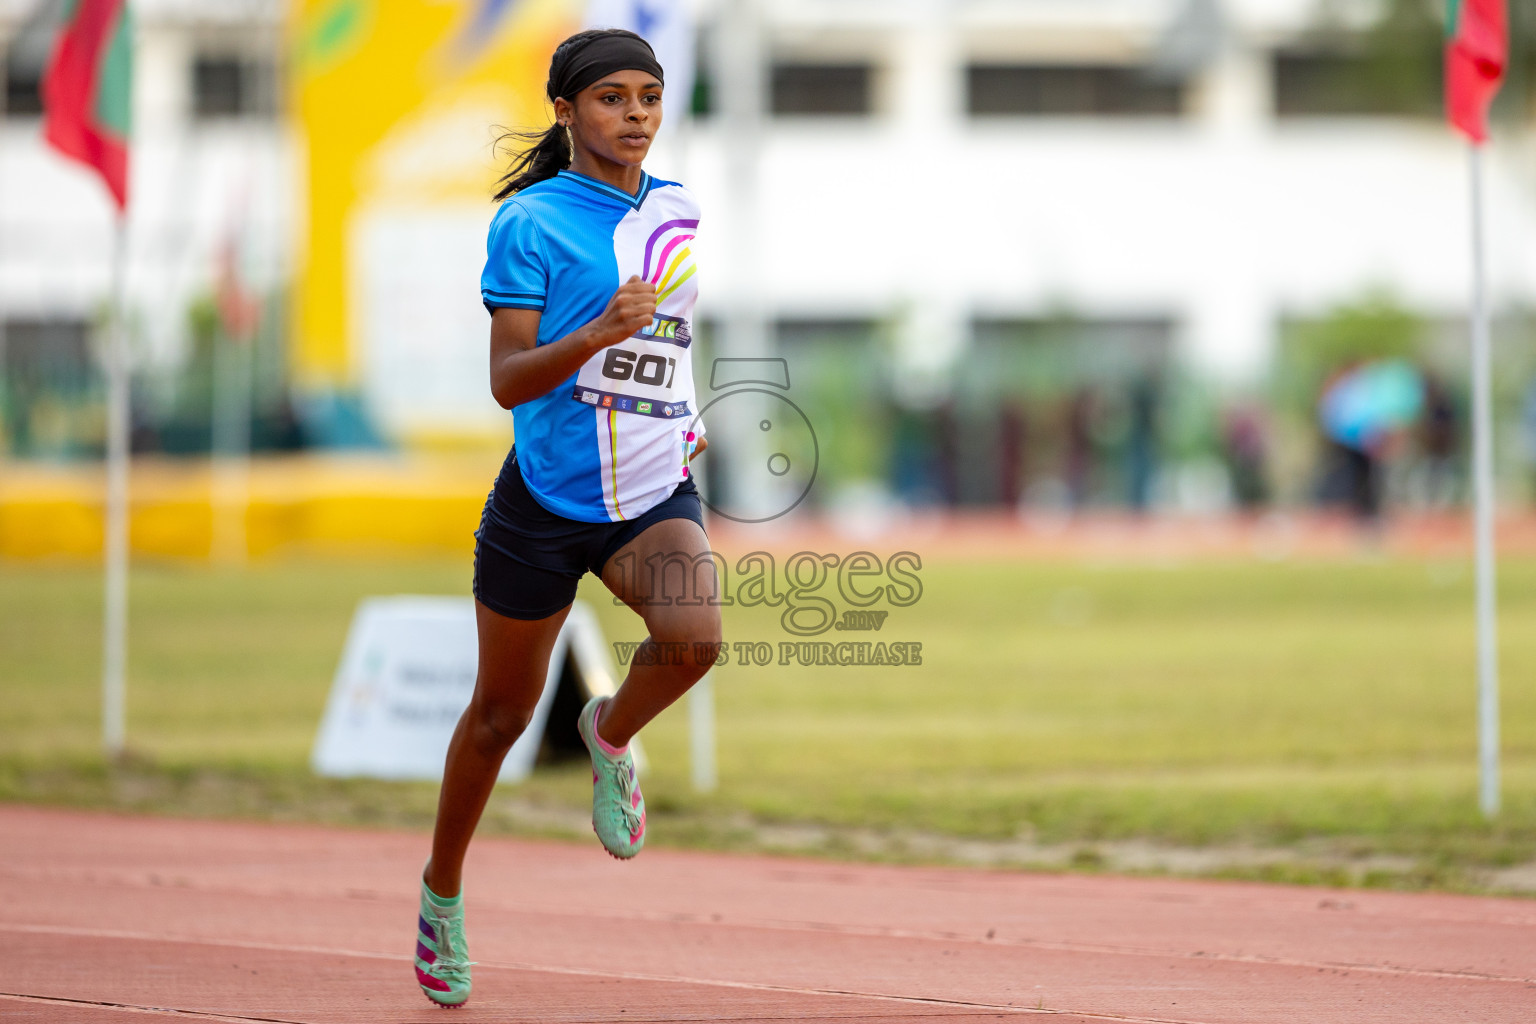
column 628, row 403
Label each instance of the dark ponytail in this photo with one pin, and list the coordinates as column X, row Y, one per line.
column 543, row 154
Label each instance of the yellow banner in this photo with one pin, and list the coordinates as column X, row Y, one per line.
column 397, row 103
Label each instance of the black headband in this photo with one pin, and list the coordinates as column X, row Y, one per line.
column 602, row 55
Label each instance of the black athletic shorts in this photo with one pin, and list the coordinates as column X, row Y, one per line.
column 528, row 560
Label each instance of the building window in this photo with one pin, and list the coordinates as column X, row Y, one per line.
column 53, row 351
column 1031, row 90
column 822, row 89
column 49, row 388
column 23, row 91
column 1341, row 84
column 233, row 86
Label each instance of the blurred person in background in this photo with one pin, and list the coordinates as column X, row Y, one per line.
column 1365, row 411
column 1528, row 428
column 1077, row 440
column 950, row 450
column 1141, row 444
column 1245, row 446
column 1012, row 434
column 914, row 460
column 589, row 279
column 1439, row 444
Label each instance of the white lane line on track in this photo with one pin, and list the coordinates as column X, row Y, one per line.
column 275, row 947
column 1519, row 913
column 136, row 1008
column 832, row 928
column 1054, row 947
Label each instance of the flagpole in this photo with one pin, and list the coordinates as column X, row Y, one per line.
column 230, row 443
column 115, row 620
column 702, row 745
column 1483, row 508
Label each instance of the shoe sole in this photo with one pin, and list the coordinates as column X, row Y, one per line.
column 615, row 856
column 445, row 1006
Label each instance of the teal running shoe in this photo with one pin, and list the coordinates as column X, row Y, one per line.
column 618, row 809
column 442, row 956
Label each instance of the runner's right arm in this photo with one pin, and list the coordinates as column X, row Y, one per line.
column 522, row 370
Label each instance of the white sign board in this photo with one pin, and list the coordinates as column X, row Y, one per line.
column 407, row 674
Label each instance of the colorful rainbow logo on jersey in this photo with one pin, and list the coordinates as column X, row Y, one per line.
column 673, row 258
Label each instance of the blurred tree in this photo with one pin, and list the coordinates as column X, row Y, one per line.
column 183, row 412
column 1517, row 100
column 1394, row 63
column 1311, row 351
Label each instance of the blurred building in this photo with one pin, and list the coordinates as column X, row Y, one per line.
column 992, row 229
column 1174, row 162
column 212, row 184
column 1027, row 206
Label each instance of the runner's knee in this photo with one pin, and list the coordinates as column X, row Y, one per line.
column 498, row 724
column 696, row 630
column 693, row 624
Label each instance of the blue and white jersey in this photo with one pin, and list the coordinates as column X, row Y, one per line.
column 612, row 440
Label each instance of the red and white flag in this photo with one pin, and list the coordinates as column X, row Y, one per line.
column 87, row 90
column 1476, row 53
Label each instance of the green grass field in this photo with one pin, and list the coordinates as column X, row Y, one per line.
column 1318, row 715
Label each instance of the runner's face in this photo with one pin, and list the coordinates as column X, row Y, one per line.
column 615, row 120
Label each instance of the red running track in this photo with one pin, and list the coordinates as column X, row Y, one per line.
column 107, row 919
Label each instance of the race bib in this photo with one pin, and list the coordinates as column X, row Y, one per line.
column 645, row 375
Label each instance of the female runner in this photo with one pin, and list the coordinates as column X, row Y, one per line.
column 589, row 282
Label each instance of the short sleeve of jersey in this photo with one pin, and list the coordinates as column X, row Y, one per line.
column 516, row 274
